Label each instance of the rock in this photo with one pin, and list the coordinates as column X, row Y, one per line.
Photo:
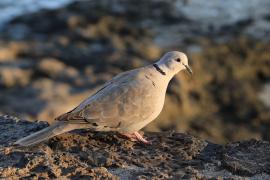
column 84, row 44
column 56, row 69
column 51, row 66
column 85, row 154
column 10, row 50
column 11, row 76
column 264, row 95
column 13, row 128
column 248, row 157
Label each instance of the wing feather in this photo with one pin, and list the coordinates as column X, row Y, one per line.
column 77, row 114
column 118, row 103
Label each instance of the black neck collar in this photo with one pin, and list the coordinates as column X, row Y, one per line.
column 159, row 69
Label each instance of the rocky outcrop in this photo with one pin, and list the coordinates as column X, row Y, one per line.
column 51, row 60
column 83, row 154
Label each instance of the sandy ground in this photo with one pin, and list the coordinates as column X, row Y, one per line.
column 84, row 154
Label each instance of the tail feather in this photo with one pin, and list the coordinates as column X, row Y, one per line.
column 44, row 134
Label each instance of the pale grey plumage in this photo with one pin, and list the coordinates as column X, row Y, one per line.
column 125, row 104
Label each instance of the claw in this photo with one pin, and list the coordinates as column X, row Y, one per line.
column 136, row 137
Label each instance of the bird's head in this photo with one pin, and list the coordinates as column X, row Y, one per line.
column 173, row 62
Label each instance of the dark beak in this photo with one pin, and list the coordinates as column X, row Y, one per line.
column 188, row 69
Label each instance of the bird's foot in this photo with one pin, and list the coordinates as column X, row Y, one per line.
column 136, row 137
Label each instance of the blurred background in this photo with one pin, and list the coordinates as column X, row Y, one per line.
column 54, row 54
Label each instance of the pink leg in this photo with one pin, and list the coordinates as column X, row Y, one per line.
column 136, row 137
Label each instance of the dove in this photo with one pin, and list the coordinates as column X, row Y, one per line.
column 125, row 104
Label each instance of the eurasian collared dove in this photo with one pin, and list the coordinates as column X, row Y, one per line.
column 125, row 104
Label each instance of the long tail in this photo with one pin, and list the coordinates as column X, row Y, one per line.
column 44, row 134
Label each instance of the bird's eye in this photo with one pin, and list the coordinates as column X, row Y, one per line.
column 178, row 59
